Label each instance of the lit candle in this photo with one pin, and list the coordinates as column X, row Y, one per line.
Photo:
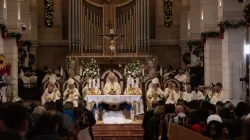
column 143, row 72
column 161, row 71
column 128, row 82
column 98, row 82
column 132, row 82
column 80, row 71
column 94, row 83
column 98, row 72
column 89, row 83
column 137, row 82
column 61, row 71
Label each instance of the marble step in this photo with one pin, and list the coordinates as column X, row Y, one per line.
column 118, row 130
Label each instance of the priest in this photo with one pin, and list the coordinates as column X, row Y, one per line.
column 51, row 93
column 71, row 94
column 170, row 94
column 112, row 87
column 133, row 87
column 48, row 76
column 217, row 94
column 154, row 92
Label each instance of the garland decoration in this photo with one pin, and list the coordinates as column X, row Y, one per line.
column 133, row 69
column 206, row 35
column 192, row 43
column 4, row 65
column 91, row 69
column 48, row 4
column 246, row 12
column 227, row 25
column 187, row 58
column 4, row 31
column 25, row 43
column 31, row 59
column 168, row 11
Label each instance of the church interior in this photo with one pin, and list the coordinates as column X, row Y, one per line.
column 135, row 67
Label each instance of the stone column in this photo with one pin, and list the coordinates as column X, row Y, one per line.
column 33, row 30
column 233, row 57
column 184, row 31
column 195, row 18
column 11, row 53
column 3, row 11
column 213, row 47
column 13, row 15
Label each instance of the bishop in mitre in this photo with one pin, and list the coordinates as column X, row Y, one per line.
column 133, row 87
column 51, row 93
column 71, row 94
column 171, row 93
column 154, row 92
column 112, row 87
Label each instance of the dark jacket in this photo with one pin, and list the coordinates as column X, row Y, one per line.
column 46, row 135
column 9, row 136
column 153, row 131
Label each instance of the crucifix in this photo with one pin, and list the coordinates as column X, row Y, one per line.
column 111, row 37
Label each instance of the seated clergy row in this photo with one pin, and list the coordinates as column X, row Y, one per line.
column 172, row 93
column 72, row 94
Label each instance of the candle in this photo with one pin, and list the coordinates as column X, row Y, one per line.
column 161, row 71
column 143, row 72
column 98, row 72
column 137, row 82
column 98, row 82
column 94, row 85
column 61, row 71
column 128, row 82
column 89, row 82
column 124, row 71
column 80, row 71
column 132, row 82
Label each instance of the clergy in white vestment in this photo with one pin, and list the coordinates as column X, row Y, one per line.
column 154, row 92
column 197, row 95
column 170, row 94
column 48, row 76
column 133, row 87
column 112, row 87
column 181, row 77
column 217, row 94
column 71, row 94
column 51, row 93
column 187, row 95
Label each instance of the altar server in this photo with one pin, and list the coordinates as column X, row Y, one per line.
column 154, row 92
column 48, row 76
column 112, row 87
column 196, row 94
column 51, row 93
column 217, row 94
column 71, row 94
column 133, row 87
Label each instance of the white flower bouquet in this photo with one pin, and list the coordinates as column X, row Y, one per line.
column 91, row 68
column 133, row 69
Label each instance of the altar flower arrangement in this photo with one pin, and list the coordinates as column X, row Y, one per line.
column 133, row 69
column 91, row 68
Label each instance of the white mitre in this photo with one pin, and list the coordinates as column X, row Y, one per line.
column 52, row 80
column 155, row 81
column 214, row 118
column 71, row 81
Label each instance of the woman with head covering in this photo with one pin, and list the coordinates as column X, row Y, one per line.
column 215, row 129
column 112, row 87
column 71, row 94
column 51, row 93
column 154, row 92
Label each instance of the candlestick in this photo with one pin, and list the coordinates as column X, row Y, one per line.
column 61, row 71
column 98, row 82
column 143, row 72
column 89, row 82
column 80, row 71
column 94, row 85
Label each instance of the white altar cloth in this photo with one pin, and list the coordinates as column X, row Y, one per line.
column 117, row 99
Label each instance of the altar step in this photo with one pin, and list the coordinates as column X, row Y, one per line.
column 118, row 131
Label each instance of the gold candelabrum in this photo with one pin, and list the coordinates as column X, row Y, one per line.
column 132, row 91
column 92, row 91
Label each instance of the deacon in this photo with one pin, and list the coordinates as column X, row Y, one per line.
column 132, row 87
column 48, row 76
column 112, row 87
column 171, row 93
column 154, row 92
column 71, row 94
column 51, row 93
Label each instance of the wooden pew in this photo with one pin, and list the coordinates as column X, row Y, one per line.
column 178, row 132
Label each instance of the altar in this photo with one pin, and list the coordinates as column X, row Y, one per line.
column 135, row 100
